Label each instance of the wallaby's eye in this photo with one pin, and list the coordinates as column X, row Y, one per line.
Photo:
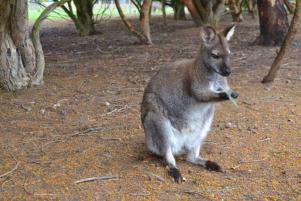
column 215, row 55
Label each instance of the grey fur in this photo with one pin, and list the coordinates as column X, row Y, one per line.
column 179, row 101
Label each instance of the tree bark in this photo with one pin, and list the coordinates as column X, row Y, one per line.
column 273, row 22
column 17, row 52
column 144, row 20
column 235, row 7
column 84, row 12
column 21, row 59
column 37, row 75
column 179, row 11
column 83, row 19
column 193, row 12
column 252, row 7
column 289, row 6
column 142, row 38
column 205, row 12
column 285, row 46
column 163, row 2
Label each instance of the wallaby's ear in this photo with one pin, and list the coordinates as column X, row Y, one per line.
column 229, row 32
column 208, row 34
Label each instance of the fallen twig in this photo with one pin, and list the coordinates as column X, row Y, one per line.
column 227, row 188
column 48, row 143
column 201, row 192
column 45, row 194
column 25, row 187
column 249, row 105
column 109, row 138
column 265, row 139
column 101, row 178
column 86, row 132
column 11, row 171
column 210, row 142
column 141, row 194
column 3, row 184
column 251, row 161
column 116, row 110
column 90, row 130
column 154, row 175
column 244, row 161
column 235, row 167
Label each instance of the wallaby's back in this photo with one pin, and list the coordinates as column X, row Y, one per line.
column 168, row 89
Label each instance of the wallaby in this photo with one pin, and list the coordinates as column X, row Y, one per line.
column 179, row 101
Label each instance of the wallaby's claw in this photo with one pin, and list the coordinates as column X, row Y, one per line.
column 213, row 166
column 176, row 175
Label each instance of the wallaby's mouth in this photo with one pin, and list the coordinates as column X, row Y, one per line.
column 225, row 72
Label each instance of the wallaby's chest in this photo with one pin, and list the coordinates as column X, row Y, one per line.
column 197, row 123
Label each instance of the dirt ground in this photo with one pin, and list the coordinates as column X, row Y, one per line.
column 85, row 121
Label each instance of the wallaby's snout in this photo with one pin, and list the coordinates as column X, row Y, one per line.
column 226, row 72
column 226, row 69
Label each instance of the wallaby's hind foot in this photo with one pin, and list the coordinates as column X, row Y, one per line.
column 175, row 174
column 207, row 164
column 172, row 169
column 213, row 166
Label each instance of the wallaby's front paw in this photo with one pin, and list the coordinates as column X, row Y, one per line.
column 223, row 96
column 213, row 166
column 176, row 175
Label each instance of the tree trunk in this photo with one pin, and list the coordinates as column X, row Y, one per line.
column 163, row 2
column 273, row 22
column 289, row 6
column 17, row 59
column 205, row 11
column 37, row 75
column 252, row 8
column 235, row 7
column 286, row 44
column 193, row 12
column 129, row 26
column 83, row 19
column 84, row 12
column 21, row 59
column 179, row 11
column 145, row 18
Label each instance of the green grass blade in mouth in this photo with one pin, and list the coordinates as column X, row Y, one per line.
column 233, row 100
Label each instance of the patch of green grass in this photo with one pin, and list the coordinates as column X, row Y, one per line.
column 98, row 11
column 58, row 14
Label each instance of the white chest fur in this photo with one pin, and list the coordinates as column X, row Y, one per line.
column 199, row 120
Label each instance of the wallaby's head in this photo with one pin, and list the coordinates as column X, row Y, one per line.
column 215, row 50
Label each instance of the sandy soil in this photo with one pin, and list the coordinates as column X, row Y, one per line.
column 85, row 121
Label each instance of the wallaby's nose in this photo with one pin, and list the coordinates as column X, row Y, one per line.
column 226, row 69
column 226, row 72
